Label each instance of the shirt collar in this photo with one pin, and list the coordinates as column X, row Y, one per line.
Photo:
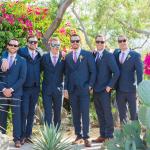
column 14, row 55
column 51, row 54
column 31, row 51
column 77, row 51
column 101, row 52
column 126, row 51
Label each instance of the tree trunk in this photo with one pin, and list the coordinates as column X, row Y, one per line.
column 55, row 24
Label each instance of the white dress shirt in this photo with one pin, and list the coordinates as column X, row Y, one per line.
column 31, row 52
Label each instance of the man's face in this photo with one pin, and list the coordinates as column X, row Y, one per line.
column 13, row 46
column 55, row 46
column 32, row 43
column 123, row 43
column 75, row 42
column 100, row 43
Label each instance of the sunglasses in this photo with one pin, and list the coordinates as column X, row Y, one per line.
column 55, row 45
column 73, row 41
column 33, row 42
column 122, row 41
column 98, row 42
column 13, row 45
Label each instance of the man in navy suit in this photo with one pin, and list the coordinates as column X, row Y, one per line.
column 79, row 80
column 31, row 87
column 130, row 66
column 53, row 66
column 11, row 86
column 106, row 77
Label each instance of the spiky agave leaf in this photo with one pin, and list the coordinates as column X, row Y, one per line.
column 50, row 138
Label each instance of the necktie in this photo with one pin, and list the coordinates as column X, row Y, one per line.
column 75, row 57
column 122, row 58
column 33, row 55
column 54, row 60
column 11, row 61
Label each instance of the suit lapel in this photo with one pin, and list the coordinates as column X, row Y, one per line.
column 128, row 57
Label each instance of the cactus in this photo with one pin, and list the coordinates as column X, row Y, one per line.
column 143, row 91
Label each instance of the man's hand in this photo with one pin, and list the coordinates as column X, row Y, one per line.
column 7, row 92
column 66, row 95
column 5, row 65
column 108, row 89
column 90, row 90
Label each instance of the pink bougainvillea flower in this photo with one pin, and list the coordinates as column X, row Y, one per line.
column 45, row 11
column 1, row 19
column 68, row 24
column 21, row 20
column 62, row 31
column 39, row 34
column 147, row 64
column 29, row 10
column 28, row 24
column 10, row 18
column 37, row 11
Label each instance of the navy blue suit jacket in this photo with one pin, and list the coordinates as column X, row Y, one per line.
column 33, row 67
column 52, row 75
column 107, row 72
column 131, row 68
column 80, row 75
column 15, row 76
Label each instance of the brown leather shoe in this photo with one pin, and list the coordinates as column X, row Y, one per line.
column 99, row 140
column 78, row 140
column 23, row 140
column 87, row 143
column 17, row 144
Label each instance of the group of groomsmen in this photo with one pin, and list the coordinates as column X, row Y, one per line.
column 81, row 71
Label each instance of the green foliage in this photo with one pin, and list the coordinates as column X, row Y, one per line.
column 126, row 138
column 144, row 92
column 51, row 139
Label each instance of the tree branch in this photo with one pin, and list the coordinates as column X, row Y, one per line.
column 55, row 24
column 82, row 29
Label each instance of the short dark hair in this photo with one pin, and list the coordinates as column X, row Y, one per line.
column 31, row 36
column 99, row 35
column 75, row 34
column 120, row 36
column 13, row 39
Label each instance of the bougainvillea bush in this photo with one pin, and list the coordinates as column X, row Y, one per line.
column 19, row 19
column 147, row 65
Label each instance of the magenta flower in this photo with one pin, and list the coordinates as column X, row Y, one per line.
column 62, row 31
column 28, row 24
column 147, row 64
column 37, row 11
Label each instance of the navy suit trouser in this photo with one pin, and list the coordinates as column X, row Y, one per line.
column 52, row 108
column 29, row 101
column 123, row 99
column 80, row 112
column 102, row 102
column 14, row 104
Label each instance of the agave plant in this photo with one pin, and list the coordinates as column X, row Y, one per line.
column 50, row 138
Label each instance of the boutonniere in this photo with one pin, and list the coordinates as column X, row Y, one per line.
column 80, row 58
column 15, row 61
column 62, row 58
column 128, row 56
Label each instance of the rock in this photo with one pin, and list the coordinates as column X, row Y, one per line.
column 4, row 142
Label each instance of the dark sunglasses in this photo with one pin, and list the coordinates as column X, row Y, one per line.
column 55, row 45
column 98, row 42
column 33, row 42
column 73, row 41
column 122, row 41
column 13, row 45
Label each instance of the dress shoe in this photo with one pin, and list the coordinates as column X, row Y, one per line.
column 22, row 141
column 87, row 143
column 78, row 140
column 17, row 144
column 99, row 140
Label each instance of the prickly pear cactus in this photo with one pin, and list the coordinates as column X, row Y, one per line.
column 144, row 116
column 143, row 91
column 4, row 142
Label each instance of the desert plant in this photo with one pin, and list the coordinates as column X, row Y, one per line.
column 127, row 138
column 50, row 138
